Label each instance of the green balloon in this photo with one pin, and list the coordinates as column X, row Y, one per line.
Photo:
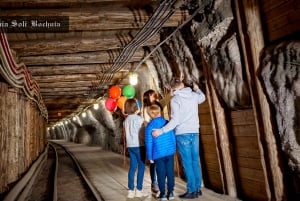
column 128, row 91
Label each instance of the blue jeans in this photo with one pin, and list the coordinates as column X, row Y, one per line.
column 165, row 170
column 188, row 148
column 153, row 173
column 137, row 157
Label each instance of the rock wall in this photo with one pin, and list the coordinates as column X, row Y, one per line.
column 216, row 35
column 280, row 72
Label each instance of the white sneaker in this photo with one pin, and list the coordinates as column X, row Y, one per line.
column 130, row 194
column 140, row 193
column 157, row 194
column 154, row 187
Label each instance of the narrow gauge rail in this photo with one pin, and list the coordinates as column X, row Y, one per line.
column 60, row 178
column 70, row 181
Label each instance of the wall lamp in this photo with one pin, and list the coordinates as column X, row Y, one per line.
column 133, row 78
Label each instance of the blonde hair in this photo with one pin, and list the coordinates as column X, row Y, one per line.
column 154, row 111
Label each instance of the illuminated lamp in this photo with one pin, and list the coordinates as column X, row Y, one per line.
column 96, row 106
column 133, row 78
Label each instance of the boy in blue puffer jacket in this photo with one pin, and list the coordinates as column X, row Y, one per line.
column 161, row 150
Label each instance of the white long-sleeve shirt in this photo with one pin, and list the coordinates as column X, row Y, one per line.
column 134, row 130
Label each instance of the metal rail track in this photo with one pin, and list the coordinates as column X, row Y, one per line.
column 58, row 177
column 69, row 176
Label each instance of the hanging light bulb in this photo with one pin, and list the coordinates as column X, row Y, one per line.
column 83, row 114
column 133, row 78
column 96, row 106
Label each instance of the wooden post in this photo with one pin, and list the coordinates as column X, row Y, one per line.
column 251, row 34
column 221, row 135
column 12, row 135
column 3, row 137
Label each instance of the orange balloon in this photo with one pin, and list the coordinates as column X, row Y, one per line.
column 114, row 92
column 121, row 102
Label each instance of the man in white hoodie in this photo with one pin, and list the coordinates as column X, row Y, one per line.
column 185, row 121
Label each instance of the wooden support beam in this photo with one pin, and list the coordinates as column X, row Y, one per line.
column 82, row 90
column 74, row 77
column 66, row 84
column 58, row 94
column 74, row 69
column 74, row 84
column 221, row 134
column 80, row 58
column 66, row 107
column 252, row 40
column 281, row 18
column 55, row 113
column 73, row 99
column 106, row 34
column 65, row 78
column 75, row 44
column 75, row 3
column 100, row 18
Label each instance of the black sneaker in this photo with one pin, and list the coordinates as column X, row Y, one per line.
column 171, row 196
column 199, row 192
column 162, row 197
column 188, row 195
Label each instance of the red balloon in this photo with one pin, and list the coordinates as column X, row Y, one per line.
column 114, row 92
column 111, row 104
column 121, row 102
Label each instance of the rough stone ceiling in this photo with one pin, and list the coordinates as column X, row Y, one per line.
column 106, row 39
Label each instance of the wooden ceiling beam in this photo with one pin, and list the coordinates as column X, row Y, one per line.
column 23, row 37
column 80, row 58
column 54, row 90
column 74, row 77
column 79, row 83
column 54, row 114
column 66, row 84
column 100, row 18
column 65, row 107
column 75, row 69
column 75, row 45
column 65, row 78
column 74, row 3
column 68, row 66
column 68, row 104
column 68, row 99
column 58, row 94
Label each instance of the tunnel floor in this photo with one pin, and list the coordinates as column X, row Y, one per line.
column 107, row 171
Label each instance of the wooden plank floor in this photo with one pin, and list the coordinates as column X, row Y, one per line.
column 108, row 173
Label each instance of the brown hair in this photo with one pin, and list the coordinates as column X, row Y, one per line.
column 154, row 111
column 130, row 106
column 146, row 97
column 175, row 82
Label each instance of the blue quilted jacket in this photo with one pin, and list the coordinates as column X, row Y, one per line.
column 161, row 146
